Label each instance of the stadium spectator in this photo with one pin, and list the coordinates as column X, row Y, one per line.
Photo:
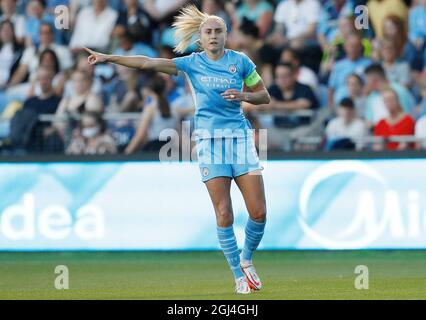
column 295, row 23
column 91, row 137
column 259, row 12
column 416, row 47
column 137, row 23
column 10, row 52
column 353, row 63
column 82, row 65
column 333, row 50
column 31, row 57
column 397, row 70
column 328, row 25
column 46, row 102
column 343, row 130
column 8, row 12
column 83, row 100
column 128, row 46
column 287, row 95
column 376, row 82
column 94, row 26
column 49, row 59
column 379, row 10
column 420, row 132
column 397, row 123
column 355, row 88
column 304, row 74
column 156, row 117
column 35, row 17
column 216, row 7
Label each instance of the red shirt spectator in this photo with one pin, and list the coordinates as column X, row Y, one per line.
column 397, row 124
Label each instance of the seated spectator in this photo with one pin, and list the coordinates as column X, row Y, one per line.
column 156, row 117
column 47, row 101
column 415, row 51
column 31, row 57
column 217, row 8
column 91, row 137
column 396, row 70
column 376, row 82
column 304, row 74
column 83, row 66
column 286, row 95
column 10, row 52
column 295, row 23
column 9, row 12
column 379, row 10
column 345, row 128
column 334, row 50
column 82, row 101
column 355, row 88
column 258, row 11
column 49, row 59
column 26, row 131
column 35, row 17
column 128, row 46
column 353, row 63
column 420, row 132
column 137, row 23
column 398, row 123
column 94, row 26
column 331, row 13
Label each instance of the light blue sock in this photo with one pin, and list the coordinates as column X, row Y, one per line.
column 254, row 233
column 228, row 243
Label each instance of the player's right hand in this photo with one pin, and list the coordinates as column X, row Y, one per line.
column 95, row 57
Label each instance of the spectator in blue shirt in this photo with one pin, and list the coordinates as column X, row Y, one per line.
column 353, row 63
column 415, row 51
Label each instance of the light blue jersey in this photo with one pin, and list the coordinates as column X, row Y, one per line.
column 208, row 79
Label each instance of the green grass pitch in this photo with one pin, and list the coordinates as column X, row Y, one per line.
column 205, row 275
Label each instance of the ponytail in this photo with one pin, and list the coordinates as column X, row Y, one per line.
column 187, row 24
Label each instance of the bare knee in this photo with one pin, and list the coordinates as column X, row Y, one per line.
column 258, row 214
column 224, row 215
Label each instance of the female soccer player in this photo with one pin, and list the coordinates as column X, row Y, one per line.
column 217, row 77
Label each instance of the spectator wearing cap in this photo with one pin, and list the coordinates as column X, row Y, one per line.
column 397, row 123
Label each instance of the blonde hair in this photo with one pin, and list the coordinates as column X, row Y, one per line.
column 187, row 24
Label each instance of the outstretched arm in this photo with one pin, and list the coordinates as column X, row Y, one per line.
column 136, row 62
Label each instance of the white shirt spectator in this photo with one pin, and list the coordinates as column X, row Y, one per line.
column 420, row 130
column 30, row 57
column 6, row 60
column 93, row 31
column 18, row 21
column 337, row 129
column 307, row 76
column 297, row 16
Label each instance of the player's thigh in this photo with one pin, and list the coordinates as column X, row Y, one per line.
column 219, row 189
column 253, row 191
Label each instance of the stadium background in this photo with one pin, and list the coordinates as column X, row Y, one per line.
column 50, row 99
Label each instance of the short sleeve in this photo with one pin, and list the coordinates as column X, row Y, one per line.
column 248, row 66
column 183, row 63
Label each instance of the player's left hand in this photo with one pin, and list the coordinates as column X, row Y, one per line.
column 233, row 95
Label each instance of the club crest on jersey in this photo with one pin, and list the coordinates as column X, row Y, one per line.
column 205, row 172
column 232, row 68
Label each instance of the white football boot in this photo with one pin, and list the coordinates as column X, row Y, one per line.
column 242, row 286
column 250, row 273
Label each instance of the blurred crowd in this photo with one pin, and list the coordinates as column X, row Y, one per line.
column 342, row 74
